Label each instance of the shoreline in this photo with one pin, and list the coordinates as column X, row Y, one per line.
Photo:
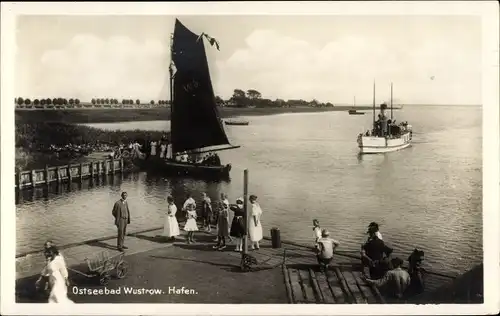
column 83, row 116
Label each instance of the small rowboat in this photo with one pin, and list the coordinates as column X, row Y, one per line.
column 241, row 123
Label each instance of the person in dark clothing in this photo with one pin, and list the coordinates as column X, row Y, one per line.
column 375, row 255
column 216, row 160
column 416, row 272
column 238, row 225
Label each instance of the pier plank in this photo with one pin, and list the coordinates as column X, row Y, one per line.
column 328, row 297
column 366, row 290
column 315, row 286
column 353, row 287
column 298, row 295
column 345, row 288
column 340, row 296
column 306, row 285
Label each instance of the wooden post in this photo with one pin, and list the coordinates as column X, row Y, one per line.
column 121, row 165
column 113, row 165
column 19, row 179
column 81, row 171
column 245, row 210
column 105, row 167
column 58, row 174
column 91, row 169
column 70, row 177
column 47, row 175
column 33, row 178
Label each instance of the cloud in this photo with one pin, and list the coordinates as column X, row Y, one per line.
column 281, row 66
column 89, row 66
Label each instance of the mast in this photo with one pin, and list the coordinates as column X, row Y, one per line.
column 374, row 105
column 391, row 101
column 171, row 79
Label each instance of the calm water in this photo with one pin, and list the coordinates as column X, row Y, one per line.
column 305, row 166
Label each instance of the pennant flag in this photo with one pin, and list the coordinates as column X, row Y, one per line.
column 211, row 40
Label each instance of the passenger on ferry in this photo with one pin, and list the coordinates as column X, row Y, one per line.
column 375, row 255
column 397, row 279
column 326, row 248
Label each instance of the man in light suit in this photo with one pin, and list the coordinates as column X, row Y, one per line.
column 121, row 213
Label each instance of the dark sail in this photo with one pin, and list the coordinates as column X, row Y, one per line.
column 195, row 121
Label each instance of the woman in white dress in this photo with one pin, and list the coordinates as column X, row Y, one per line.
column 163, row 149
column 58, row 277
column 153, row 148
column 255, row 227
column 191, row 225
column 171, row 226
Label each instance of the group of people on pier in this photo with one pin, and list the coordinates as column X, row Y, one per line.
column 379, row 267
column 217, row 214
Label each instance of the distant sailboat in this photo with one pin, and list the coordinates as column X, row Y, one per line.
column 196, row 126
column 385, row 135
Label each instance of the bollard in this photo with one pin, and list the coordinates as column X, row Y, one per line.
column 275, row 237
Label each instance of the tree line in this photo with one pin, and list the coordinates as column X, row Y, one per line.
column 253, row 98
column 240, row 99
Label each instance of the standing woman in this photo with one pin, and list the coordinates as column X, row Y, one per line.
column 222, row 227
column 171, row 226
column 255, row 227
column 153, row 148
column 206, row 211
column 163, row 149
column 237, row 226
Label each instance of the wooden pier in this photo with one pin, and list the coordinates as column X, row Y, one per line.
column 67, row 173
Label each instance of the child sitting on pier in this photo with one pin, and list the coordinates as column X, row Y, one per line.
column 317, row 232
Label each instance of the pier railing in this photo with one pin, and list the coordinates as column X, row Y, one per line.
column 67, row 173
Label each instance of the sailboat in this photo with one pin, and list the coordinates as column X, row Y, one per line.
column 385, row 136
column 196, row 126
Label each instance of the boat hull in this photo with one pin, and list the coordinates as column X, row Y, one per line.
column 380, row 145
column 185, row 169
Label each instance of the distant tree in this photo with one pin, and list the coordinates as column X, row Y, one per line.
column 98, row 101
column 116, row 101
column 43, row 102
column 124, row 101
column 152, row 102
column 314, row 103
column 48, row 101
column 65, row 101
column 106, row 101
column 239, row 98
column 254, row 94
column 137, row 101
column 54, row 101
column 27, row 101
column 93, row 101
column 20, row 101
column 36, row 102
column 71, row 101
column 219, row 101
column 77, row 101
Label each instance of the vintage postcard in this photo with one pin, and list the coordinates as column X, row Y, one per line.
column 250, row 158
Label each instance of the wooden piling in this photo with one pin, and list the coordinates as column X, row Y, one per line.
column 70, row 176
column 18, row 179
column 91, row 169
column 105, row 167
column 47, row 180
column 81, row 172
column 58, row 174
column 245, row 210
column 121, row 165
column 33, row 178
column 112, row 165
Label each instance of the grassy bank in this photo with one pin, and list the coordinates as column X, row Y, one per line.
column 123, row 115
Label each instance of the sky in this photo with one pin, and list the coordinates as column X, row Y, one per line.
column 429, row 59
